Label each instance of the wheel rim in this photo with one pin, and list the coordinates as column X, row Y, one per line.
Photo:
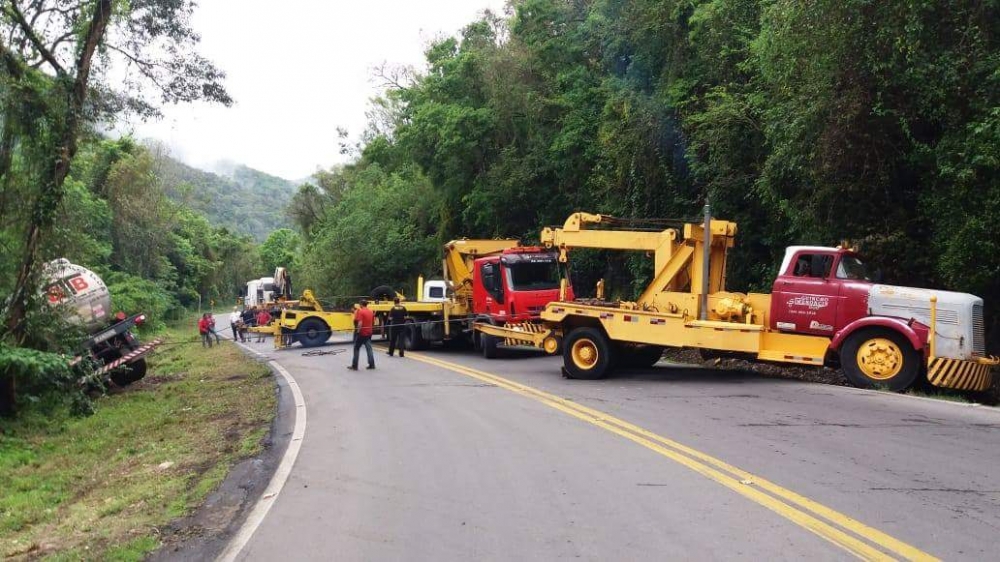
column 585, row 354
column 551, row 345
column 880, row 359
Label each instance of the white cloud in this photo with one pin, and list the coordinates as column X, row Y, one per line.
column 298, row 69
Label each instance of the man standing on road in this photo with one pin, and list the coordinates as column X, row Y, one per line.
column 397, row 317
column 234, row 323
column 364, row 321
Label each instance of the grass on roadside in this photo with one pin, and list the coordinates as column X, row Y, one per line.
column 100, row 487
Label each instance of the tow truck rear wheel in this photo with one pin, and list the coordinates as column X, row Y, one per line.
column 880, row 358
column 587, row 354
column 312, row 332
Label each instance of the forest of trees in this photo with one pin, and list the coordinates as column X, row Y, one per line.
column 246, row 200
column 805, row 122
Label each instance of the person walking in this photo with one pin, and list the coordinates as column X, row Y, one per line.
column 206, row 337
column 397, row 318
column 234, row 322
column 364, row 321
column 263, row 319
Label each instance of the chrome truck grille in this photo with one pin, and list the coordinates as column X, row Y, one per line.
column 978, row 331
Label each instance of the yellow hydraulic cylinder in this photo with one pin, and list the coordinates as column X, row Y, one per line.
column 420, row 288
column 932, row 336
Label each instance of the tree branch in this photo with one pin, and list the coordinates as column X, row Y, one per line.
column 14, row 12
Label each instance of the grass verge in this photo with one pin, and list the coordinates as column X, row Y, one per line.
column 100, row 487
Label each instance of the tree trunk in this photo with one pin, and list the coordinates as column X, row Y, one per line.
column 8, row 394
column 51, row 194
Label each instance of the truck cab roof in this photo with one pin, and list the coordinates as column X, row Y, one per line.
column 791, row 251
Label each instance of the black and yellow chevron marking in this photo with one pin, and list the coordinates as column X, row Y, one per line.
column 958, row 374
column 531, row 327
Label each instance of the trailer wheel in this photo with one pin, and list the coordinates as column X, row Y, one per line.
column 587, row 354
column 638, row 356
column 879, row 358
column 489, row 343
column 312, row 332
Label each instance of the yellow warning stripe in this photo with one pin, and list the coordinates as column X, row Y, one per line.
column 809, row 514
column 958, row 374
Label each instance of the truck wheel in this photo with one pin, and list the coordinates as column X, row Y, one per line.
column 129, row 373
column 136, row 370
column 587, row 354
column 553, row 345
column 414, row 337
column 489, row 344
column 638, row 356
column 312, row 332
column 880, row 359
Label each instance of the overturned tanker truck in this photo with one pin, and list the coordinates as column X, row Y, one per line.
column 111, row 346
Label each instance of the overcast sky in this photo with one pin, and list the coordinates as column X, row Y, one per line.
column 298, row 69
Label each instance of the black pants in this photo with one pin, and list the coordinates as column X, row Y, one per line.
column 236, row 332
column 396, row 339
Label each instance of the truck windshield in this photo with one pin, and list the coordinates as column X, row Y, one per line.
column 537, row 276
column 851, row 268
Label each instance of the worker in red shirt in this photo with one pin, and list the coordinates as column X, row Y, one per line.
column 364, row 321
column 263, row 319
column 206, row 337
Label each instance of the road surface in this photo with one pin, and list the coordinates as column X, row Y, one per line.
column 433, row 457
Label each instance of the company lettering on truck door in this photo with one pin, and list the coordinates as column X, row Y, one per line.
column 805, row 299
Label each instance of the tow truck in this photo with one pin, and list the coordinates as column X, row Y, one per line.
column 823, row 311
column 485, row 282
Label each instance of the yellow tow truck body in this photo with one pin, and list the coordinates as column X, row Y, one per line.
column 687, row 305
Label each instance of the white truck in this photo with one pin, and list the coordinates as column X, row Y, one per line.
column 259, row 291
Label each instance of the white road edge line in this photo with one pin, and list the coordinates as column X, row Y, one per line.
column 267, row 499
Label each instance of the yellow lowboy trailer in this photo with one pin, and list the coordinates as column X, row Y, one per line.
column 823, row 311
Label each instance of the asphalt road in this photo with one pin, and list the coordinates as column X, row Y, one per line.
column 422, row 460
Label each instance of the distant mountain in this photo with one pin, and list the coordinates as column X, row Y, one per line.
column 245, row 200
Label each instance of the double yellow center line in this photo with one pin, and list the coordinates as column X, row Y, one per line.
column 853, row 536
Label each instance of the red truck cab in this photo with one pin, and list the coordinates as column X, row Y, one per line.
column 819, row 291
column 517, row 284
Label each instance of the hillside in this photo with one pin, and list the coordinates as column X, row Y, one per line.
column 249, row 201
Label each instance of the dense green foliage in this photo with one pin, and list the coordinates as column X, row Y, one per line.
column 247, row 201
column 56, row 82
column 805, row 122
column 155, row 255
